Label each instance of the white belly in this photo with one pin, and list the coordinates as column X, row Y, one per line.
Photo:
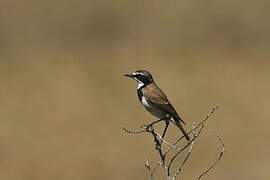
column 152, row 109
column 145, row 103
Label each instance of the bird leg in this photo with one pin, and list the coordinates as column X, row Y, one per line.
column 152, row 123
column 165, row 129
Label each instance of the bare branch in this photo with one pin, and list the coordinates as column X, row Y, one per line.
column 147, row 164
column 166, row 142
column 166, row 163
column 133, row 132
column 205, row 119
column 186, row 146
column 197, row 126
column 155, row 168
column 218, row 159
column 186, row 158
column 174, row 144
column 146, row 129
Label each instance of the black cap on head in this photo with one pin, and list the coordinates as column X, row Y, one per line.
column 141, row 75
column 144, row 76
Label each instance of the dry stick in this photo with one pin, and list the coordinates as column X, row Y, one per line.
column 184, row 162
column 159, row 149
column 218, row 159
column 166, row 142
column 148, row 167
column 171, row 145
column 186, row 146
column 152, row 123
column 158, row 140
column 146, row 129
column 193, row 129
column 158, row 144
column 195, row 137
column 186, row 158
column 205, row 119
column 154, row 170
column 147, row 164
column 134, row 132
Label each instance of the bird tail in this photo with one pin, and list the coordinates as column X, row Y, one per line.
column 179, row 125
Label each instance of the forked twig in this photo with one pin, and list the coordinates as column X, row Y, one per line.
column 187, row 156
column 219, row 157
column 133, row 132
column 154, row 170
column 166, row 163
column 196, row 127
column 205, row 119
column 186, row 146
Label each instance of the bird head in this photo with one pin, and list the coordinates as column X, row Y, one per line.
column 142, row 77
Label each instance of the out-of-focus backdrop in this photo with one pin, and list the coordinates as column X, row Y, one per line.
column 64, row 98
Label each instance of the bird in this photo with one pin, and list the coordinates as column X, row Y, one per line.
column 155, row 100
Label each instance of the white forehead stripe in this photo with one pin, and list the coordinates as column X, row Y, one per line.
column 136, row 73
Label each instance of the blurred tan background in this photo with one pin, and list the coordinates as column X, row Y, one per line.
column 64, row 98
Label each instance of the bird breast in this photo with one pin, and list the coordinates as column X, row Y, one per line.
column 145, row 102
column 150, row 107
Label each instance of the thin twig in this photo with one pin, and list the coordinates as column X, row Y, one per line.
column 146, row 129
column 186, row 146
column 133, row 132
column 163, row 140
column 174, row 144
column 218, row 159
column 205, row 119
column 154, row 170
column 196, row 127
column 158, row 140
column 186, row 158
column 147, row 164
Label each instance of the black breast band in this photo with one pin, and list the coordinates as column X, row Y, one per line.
column 140, row 94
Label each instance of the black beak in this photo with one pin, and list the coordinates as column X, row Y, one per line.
column 129, row 75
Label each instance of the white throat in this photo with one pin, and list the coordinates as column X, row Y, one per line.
column 140, row 84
